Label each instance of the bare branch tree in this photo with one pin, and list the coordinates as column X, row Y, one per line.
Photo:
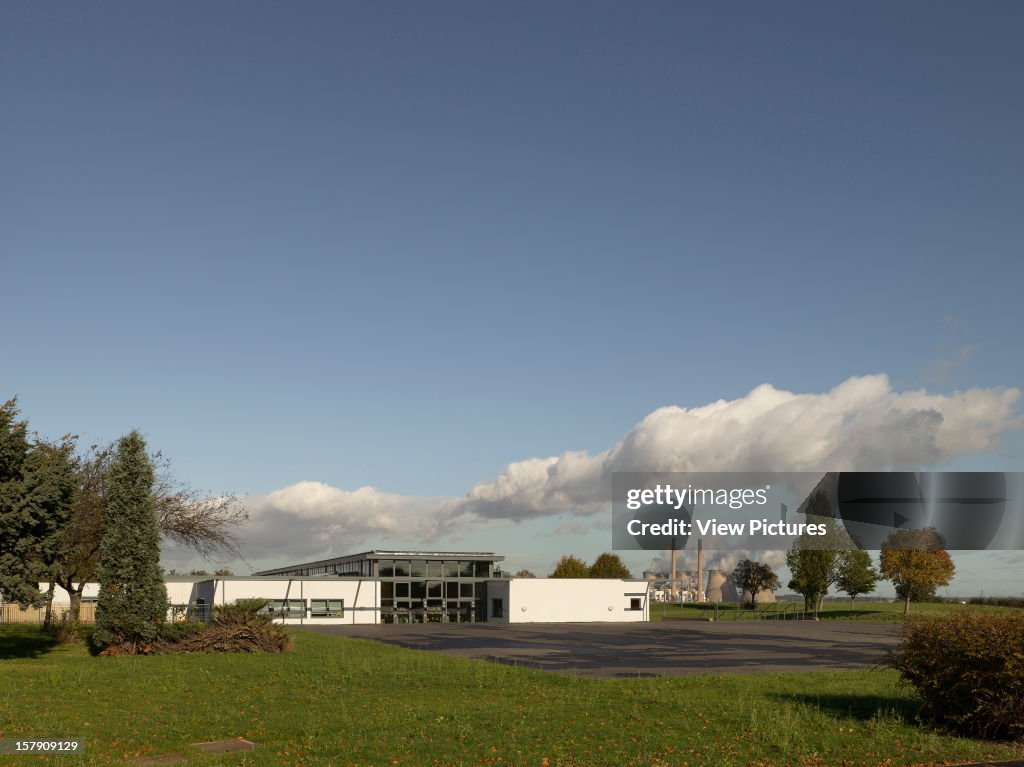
column 206, row 524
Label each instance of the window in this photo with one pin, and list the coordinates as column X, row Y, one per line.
column 434, row 569
column 466, row 590
column 327, row 608
column 496, row 608
column 634, row 603
column 451, row 589
column 419, row 568
column 483, row 569
column 466, row 569
column 451, row 569
column 386, row 568
column 401, row 569
column 286, row 608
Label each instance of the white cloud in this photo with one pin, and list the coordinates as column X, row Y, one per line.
column 859, row 425
column 862, row 424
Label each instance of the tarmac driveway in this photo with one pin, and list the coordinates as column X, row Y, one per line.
column 670, row 648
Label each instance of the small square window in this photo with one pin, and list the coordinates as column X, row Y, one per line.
column 634, row 603
column 327, row 608
column 286, row 608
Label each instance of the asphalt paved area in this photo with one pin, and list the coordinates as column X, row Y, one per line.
column 670, row 648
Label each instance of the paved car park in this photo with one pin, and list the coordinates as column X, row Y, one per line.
column 669, row 648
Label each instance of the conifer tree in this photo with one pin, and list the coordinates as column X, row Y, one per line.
column 14, row 448
column 133, row 599
column 36, row 495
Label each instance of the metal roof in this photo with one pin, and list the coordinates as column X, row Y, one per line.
column 485, row 556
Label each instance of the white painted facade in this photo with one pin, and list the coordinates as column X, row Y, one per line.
column 332, row 600
column 307, row 598
column 567, row 600
column 179, row 591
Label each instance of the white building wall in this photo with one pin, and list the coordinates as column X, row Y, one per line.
column 567, row 600
column 178, row 592
column 62, row 598
column 361, row 597
column 521, row 600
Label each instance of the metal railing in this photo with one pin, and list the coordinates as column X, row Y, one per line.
column 727, row 611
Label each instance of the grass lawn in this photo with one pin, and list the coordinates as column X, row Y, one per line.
column 887, row 612
column 336, row 701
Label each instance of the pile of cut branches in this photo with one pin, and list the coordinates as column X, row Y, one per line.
column 221, row 638
column 243, row 626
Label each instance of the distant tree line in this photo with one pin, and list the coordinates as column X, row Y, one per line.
column 607, row 565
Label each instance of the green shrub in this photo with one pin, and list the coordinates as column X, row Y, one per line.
column 176, row 632
column 66, row 630
column 242, row 612
column 998, row 601
column 968, row 669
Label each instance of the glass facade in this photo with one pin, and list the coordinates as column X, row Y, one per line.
column 434, row 590
column 415, row 586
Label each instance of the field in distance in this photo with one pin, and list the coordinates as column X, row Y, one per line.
column 864, row 610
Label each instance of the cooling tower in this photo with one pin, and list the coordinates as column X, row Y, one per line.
column 721, row 588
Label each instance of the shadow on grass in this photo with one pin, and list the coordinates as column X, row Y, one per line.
column 862, row 707
column 24, row 642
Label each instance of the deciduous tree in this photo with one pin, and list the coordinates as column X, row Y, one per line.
column 915, row 559
column 570, row 566
column 208, row 525
column 609, row 565
column 814, row 559
column 754, row 577
column 856, row 574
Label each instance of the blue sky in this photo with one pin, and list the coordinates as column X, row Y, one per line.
column 405, row 246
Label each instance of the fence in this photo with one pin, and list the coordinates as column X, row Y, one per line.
column 13, row 613
column 10, row 613
column 764, row 612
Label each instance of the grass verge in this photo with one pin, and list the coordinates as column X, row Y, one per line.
column 336, row 701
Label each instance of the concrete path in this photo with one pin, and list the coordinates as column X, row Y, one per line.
column 671, row 648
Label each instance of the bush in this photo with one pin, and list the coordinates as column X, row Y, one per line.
column 66, row 630
column 968, row 669
column 242, row 612
column 177, row 632
column 998, row 601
